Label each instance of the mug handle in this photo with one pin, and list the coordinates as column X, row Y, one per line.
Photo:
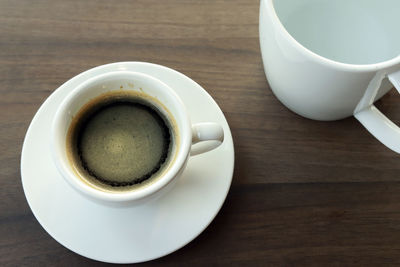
column 206, row 131
column 373, row 120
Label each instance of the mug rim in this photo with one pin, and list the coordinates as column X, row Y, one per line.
column 270, row 8
column 64, row 167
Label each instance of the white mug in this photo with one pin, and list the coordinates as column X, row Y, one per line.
column 327, row 60
column 171, row 105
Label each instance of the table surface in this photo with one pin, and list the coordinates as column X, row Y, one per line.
column 304, row 192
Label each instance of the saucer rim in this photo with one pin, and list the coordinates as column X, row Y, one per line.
column 228, row 172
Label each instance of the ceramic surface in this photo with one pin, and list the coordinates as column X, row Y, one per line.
column 155, row 90
column 128, row 234
column 316, row 74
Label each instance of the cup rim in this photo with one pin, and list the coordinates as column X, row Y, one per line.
column 270, row 8
column 182, row 154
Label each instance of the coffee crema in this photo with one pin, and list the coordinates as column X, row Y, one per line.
column 120, row 141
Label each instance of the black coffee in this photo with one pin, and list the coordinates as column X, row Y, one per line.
column 120, row 142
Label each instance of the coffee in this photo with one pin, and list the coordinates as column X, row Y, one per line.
column 120, row 141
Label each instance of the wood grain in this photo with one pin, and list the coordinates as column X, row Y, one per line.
column 304, row 192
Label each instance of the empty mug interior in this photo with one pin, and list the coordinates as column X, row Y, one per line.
column 347, row 31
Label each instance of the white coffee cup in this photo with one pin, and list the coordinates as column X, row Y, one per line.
column 171, row 106
column 327, row 60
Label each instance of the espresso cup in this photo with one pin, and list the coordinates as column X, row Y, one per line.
column 125, row 137
column 328, row 60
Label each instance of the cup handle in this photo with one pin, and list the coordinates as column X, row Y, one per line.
column 206, row 131
column 373, row 120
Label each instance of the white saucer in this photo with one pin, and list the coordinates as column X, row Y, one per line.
column 137, row 234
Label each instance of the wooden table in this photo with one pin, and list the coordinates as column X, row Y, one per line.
column 303, row 193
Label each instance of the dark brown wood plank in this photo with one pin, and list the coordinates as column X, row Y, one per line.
column 304, row 192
